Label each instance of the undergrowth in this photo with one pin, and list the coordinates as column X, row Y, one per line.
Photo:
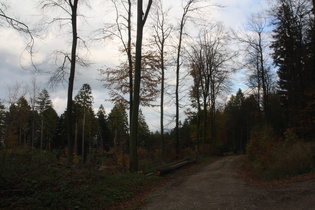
column 273, row 158
column 32, row 179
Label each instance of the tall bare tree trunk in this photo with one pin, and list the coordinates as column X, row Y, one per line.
column 141, row 19
column 162, row 32
column 130, row 62
column 162, row 108
column 69, row 116
column 178, row 64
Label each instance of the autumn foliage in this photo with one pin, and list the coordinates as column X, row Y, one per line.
column 273, row 158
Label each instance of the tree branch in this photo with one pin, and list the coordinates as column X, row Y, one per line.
column 21, row 27
column 147, row 12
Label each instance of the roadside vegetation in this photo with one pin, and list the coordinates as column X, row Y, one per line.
column 273, row 158
column 32, row 179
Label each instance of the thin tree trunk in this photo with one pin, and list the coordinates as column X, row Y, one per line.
column 198, row 122
column 83, row 134
column 177, row 87
column 204, row 132
column 76, row 138
column 130, row 62
column 41, row 134
column 162, row 106
column 69, row 116
column 178, row 64
column 33, row 127
column 263, row 78
column 213, row 124
column 162, row 98
column 258, row 89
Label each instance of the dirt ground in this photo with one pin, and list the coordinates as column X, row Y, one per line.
column 217, row 186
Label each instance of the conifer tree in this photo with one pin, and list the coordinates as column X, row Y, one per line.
column 44, row 104
column 84, row 100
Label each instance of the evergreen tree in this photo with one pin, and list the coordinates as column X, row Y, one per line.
column 19, row 115
column 83, row 107
column 50, row 125
column 243, row 115
column 237, row 122
column 143, row 131
column 103, row 130
column 44, row 107
column 293, row 54
column 118, row 125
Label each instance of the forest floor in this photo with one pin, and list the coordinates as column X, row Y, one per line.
column 219, row 185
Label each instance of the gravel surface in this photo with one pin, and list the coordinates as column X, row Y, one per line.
column 217, row 186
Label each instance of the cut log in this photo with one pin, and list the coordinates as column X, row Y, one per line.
column 168, row 169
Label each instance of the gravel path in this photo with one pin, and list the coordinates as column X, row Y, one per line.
column 216, row 186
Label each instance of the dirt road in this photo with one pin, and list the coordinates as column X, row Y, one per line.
column 217, row 186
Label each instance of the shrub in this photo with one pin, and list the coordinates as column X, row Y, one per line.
column 261, row 146
column 291, row 160
column 273, row 159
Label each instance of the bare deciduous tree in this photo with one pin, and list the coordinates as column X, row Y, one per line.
column 210, row 70
column 121, row 29
column 256, row 56
column 141, row 20
column 70, row 10
column 187, row 8
column 162, row 31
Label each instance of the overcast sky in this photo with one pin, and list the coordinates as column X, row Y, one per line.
column 15, row 66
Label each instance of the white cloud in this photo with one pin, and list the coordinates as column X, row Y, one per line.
column 59, row 103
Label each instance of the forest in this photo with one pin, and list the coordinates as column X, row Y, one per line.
column 272, row 120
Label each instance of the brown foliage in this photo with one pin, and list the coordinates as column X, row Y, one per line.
column 117, row 80
column 273, row 159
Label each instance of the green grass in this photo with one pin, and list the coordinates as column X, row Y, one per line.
column 31, row 179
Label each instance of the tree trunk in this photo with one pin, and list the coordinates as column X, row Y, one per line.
column 178, row 64
column 177, row 86
column 198, row 122
column 168, row 169
column 76, row 139
column 41, row 134
column 69, row 116
column 130, row 62
column 263, row 78
column 83, row 134
column 136, row 101
column 33, row 127
column 135, row 109
column 162, row 106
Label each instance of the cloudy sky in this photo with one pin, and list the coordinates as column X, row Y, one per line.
column 15, row 69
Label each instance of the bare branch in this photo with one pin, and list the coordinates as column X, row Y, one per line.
column 53, row 4
column 22, row 27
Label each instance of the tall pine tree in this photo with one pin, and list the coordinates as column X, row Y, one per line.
column 293, row 55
